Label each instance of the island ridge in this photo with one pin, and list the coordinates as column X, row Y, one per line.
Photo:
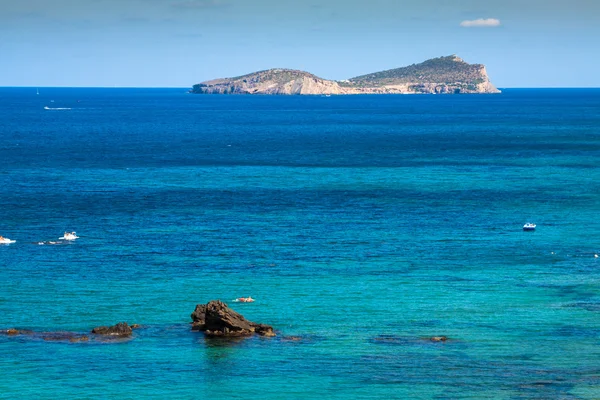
column 443, row 75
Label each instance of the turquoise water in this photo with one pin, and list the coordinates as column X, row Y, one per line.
column 362, row 225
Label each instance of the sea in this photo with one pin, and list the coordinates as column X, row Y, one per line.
column 362, row 225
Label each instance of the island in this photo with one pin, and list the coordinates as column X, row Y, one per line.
column 442, row 75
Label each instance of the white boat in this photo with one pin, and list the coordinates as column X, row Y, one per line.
column 69, row 236
column 4, row 240
column 529, row 227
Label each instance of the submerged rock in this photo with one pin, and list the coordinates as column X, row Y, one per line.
column 71, row 337
column 58, row 336
column 438, row 338
column 406, row 340
column 15, row 332
column 295, row 339
column 120, row 329
column 216, row 319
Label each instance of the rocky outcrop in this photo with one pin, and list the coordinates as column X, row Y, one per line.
column 273, row 81
column 443, row 75
column 120, row 329
column 216, row 319
column 199, row 317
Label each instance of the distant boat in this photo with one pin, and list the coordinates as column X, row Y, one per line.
column 37, row 91
column 248, row 299
column 529, row 227
column 4, row 240
column 69, row 236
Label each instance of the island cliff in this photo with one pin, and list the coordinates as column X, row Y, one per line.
column 443, row 75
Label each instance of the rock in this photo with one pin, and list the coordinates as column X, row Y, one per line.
column 82, row 338
column 223, row 321
column 136, row 326
column 120, row 329
column 438, row 338
column 199, row 317
column 15, row 332
column 264, row 330
column 216, row 319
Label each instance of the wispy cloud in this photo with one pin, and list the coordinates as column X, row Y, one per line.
column 481, row 23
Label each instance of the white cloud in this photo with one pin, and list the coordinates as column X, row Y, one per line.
column 481, row 23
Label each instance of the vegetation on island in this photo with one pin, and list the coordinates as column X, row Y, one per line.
column 448, row 70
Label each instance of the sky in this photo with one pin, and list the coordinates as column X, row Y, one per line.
column 177, row 43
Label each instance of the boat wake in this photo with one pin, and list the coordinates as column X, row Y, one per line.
column 57, row 108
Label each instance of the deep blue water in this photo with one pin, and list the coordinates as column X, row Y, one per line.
column 361, row 224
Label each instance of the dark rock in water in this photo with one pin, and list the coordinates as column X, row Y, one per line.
column 199, row 317
column 136, row 326
column 120, row 329
column 59, row 336
column 264, row 330
column 223, row 321
column 216, row 319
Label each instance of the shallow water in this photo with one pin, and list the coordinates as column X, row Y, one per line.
column 362, row 225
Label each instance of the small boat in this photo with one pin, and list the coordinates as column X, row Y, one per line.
column 69, row 236
column 4, row 240
column 529, row 227
column 244, row 300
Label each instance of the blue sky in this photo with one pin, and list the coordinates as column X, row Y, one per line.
column 176, row 43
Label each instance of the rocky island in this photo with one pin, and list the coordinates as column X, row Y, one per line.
column 443, row 75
